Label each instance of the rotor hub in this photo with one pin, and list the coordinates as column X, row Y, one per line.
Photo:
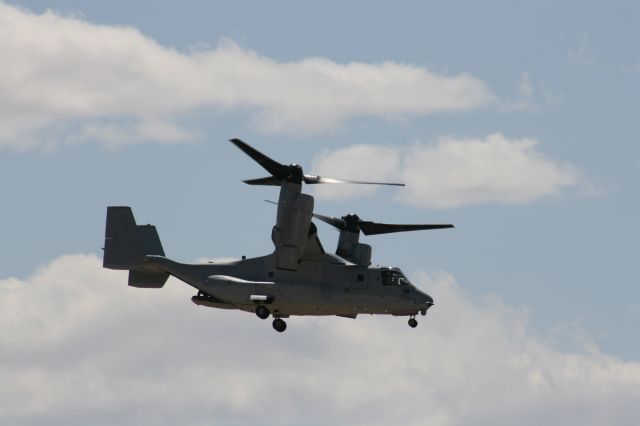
column 352, row 222
column 294, row 173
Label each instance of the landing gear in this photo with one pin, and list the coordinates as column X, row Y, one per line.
column 262, row 312
column 413, row 323
column 279, row 325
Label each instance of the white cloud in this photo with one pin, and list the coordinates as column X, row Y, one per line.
column 117, row 134
column 531, row 96
column 526, row 89
column 356, row 162
column 581, row 51
column 60, row 69
column 526, row 93
column 78, row 346
column 451, row 173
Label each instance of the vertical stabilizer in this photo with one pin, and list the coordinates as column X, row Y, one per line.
column 126, row 246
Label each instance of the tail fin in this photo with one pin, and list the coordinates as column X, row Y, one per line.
column 126, row 245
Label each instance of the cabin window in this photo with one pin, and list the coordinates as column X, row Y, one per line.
column 360, row 277
column 393, row 277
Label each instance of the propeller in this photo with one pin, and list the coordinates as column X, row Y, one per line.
column 353, row 223
column 290, row 172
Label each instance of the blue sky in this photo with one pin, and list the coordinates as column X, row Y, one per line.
column 517, row 123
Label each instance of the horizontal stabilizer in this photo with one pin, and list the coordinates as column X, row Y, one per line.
column 142, row 279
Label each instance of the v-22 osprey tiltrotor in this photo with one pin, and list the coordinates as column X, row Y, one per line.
column 298, row 278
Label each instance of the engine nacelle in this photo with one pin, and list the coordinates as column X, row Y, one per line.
column 349, row 248
column 361, row 255
column 290, row 233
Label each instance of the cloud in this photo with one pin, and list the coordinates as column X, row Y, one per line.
column 526, row 94
column 63, row 72
column 78, row 346
column 531, row 96
column 581, row 51
column 452, row 172
column 114, row 134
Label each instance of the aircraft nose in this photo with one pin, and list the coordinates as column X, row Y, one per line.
column 425, row 299
column 425, row 302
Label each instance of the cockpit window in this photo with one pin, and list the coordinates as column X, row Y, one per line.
column 393, row 277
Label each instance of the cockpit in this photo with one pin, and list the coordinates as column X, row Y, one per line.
column 392, row 277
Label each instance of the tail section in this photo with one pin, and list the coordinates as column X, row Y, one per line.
column 126, row 246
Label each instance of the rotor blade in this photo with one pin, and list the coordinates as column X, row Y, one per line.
column 269, row 180
column 373, row 228
column 333, row 221
column 267, row 163
column 311, row 179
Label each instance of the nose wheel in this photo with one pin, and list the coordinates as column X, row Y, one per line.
column 279, row 325
column 262, row 312
column 413, row 323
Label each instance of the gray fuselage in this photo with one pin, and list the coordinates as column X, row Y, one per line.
column 326, row 286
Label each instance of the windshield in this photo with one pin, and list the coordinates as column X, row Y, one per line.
column 393, row 277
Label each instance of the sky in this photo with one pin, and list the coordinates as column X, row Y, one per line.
column 517, row 123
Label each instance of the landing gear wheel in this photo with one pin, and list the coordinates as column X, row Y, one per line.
column 279, row 325
column 262, row 312
column 413, row 323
